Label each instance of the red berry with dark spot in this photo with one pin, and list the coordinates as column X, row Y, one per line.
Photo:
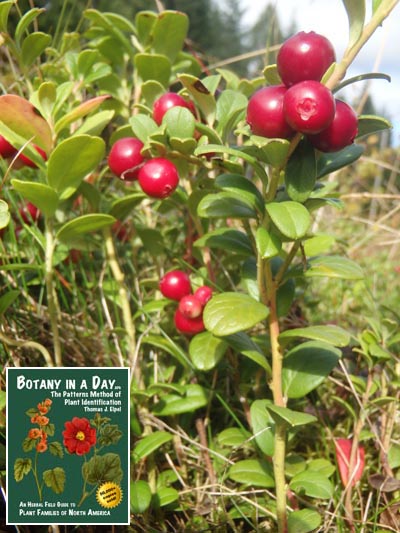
column 168, row 101
column 340, row 133
column 175, row 285
column 28, row 162
column 158, row 177
column 265, row 113
column 309, row 106
column 190, row 306
column 6, row 149
column 203, row 294
column 189, row 326
column 125, row 158
column 304, row 56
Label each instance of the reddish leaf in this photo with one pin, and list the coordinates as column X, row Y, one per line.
column 343, row 451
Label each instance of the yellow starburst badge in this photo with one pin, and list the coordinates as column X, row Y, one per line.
column 109, row 495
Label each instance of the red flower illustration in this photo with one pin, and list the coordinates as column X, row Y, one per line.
column 79, row 436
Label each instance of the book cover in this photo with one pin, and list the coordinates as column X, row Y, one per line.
column 68, row 446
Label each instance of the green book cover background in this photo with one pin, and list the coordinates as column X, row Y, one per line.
column 89, row 483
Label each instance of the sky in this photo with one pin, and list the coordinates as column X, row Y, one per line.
column 329, row 18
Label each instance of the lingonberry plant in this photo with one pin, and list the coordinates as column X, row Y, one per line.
column 205, row 295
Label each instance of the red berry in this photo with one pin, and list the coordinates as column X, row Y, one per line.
column 309, row 106
column 190, row 326
column 190, row 306
column 125, row 158
column 168, row 101
column 28, row 162
column 6, row 150
column 158, row 177
column 203, row 294
column 340, row 133
column 265, row 113
column 175, row 285
column 29, row 213
column 304, row 56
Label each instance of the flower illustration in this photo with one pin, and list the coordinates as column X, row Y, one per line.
column 79, row 436
column 41, row 446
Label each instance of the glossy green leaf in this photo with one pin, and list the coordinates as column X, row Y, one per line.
column 169, row 32
column 144, row 23
column 229, row 239
column 291, row 418
column 331, row 162
column 23, row 118
column 230, row 106
column 206, row 351
column 4, row 214
column 271, row 75
column 179, row 122
column 225, row 204
column 334, row 266
column 306, row 366
column 42, row 196
column 95, row 124
column 153, row 67
column 107, row 21
column 355, row 10
column 204, row 99
column 252, row 472
column 122, row 207
column 140, row 496
column 165, row 496
column 233, row 437
column 318, row 244
column 232, row 312
column 263, row 426
column 325, row 467
column 72, row 160
column 79, row 226
column 194, row 398
column 143, row 126
column 303, row 521
column 268, row 244
column 244, row 345
column 45, row 98
column 368, row 124
column 34, row 45
column 149, row 444
column 243, row 189
column 330, row 334
column 169, row 346
column 4, row 12
column 312, row 484
column 273, row 151
column 8, row 299
column 301, row 170
column 24, row 22
column 80, row 111
column 291, row 218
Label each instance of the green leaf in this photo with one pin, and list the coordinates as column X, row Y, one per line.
column 153, row 67
column 206, row 351
column 165, row 496
column 318, row 244
column 368, row 124
column 179, row 122
column 72, row 160
column 268, row 244
column 271, row 75
column 45, row 98
column 355, row 10
column 55, row 479
column 110, row 434
column 102, row 468
column 40, row 194
column 334, row 266
column 243, row 188
column 143, row 126
column 291, row 418
column 325, row 467
column 229, row 239
column 291, row 218
column 194, row 398
column 225, row 204
column 169, row 346
column 312, row 484
column 204, row 99
column 244, row 345
column 122, row 207
column 79, row 226
column 149, row 444
column 22, row 467
column 306, row 366
column 56, row 449
column 152, row 240
column 8, row 299
column 232, row 312
column 140, row 496
column 273, row 151
column 4, row 214
column 80, row 111
column 233, row 437
column 263, row 426
column 230, row 106
column 303, row 521
column 334, row 161
column 4, row 12
column 169, row 33
column 252, row 472
column 330, row 334
column 301, row 172
column 24, row 23
column 34, row 45
column 95, row 124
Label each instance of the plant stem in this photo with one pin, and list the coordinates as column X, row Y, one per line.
column 52, row 301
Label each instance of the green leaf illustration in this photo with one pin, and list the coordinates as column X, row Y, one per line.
column 56, row 449
column 110, row 434
column 55, row 479
column 22, row 467
column 102, row 468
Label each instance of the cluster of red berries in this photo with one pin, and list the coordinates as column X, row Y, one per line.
column 7, row 151
column 302, row 103
column 188, row 317
column 158, row 177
